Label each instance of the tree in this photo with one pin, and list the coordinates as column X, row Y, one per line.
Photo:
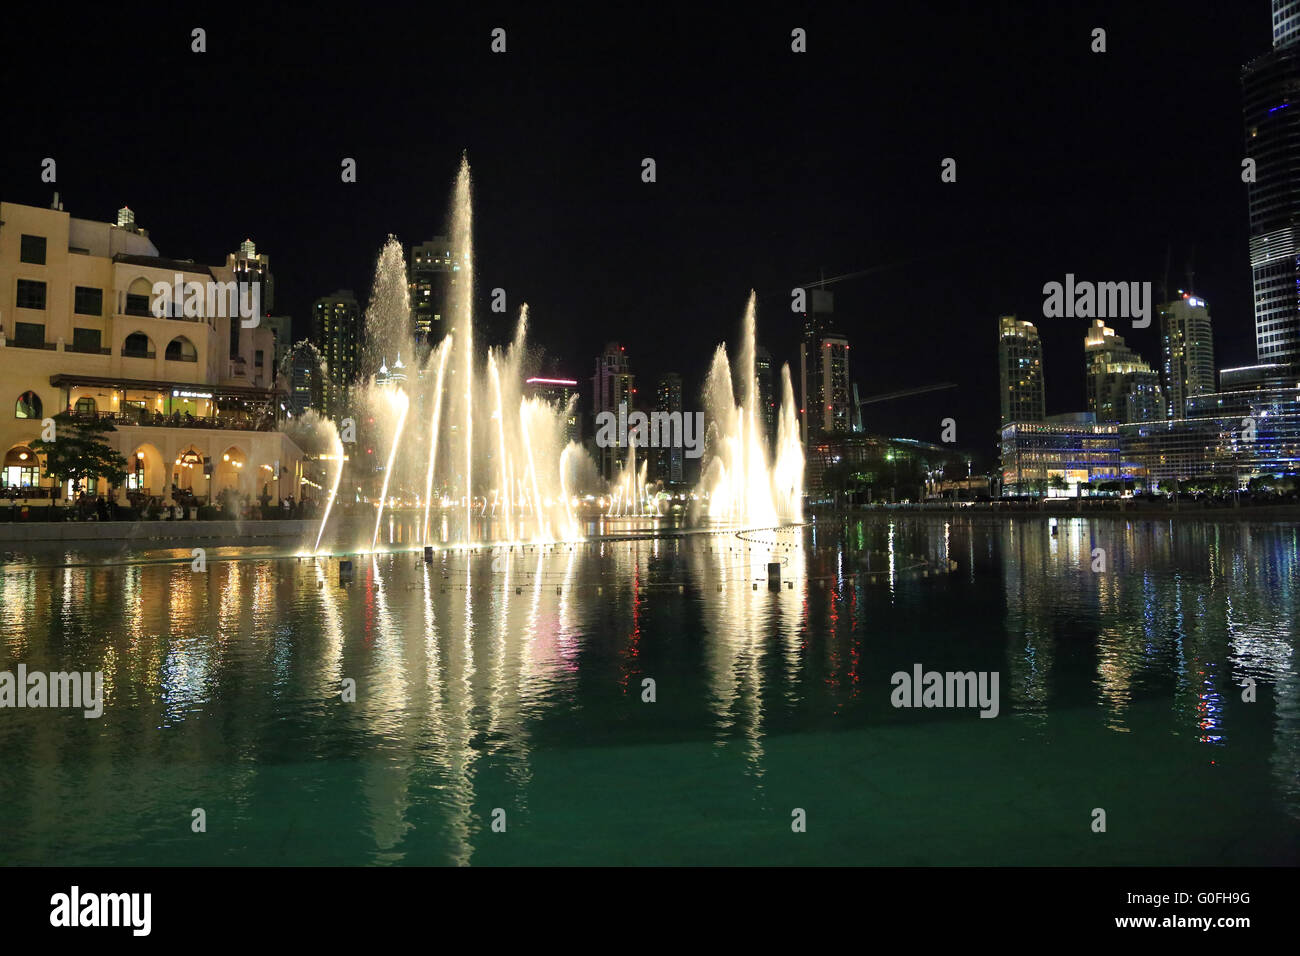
column 80, row 452
column 1058, row 483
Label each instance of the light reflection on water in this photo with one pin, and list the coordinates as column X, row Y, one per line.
column 517, row 679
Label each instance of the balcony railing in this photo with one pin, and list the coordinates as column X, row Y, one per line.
column 139, row 419
column 20, row 344
column 182, row 358
column 87, row 350
column 134, row 353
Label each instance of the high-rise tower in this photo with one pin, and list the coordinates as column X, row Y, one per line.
column 1020, row 371
column 1188, row 342
column 612, row 385
column 1271, row 90
column 337, row 324
column 433, row 271
column 1122, row 387
column 823, row 369
column 250, row 267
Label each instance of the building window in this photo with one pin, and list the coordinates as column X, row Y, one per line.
column 85, row 340
column 136, row 345
column 29, row 335
column 86, row 407
column 28, row 406
column 86, row 301
column 31, row 294
column 181, row 349
column 257, row 358
column 32, row 249
column 137, row 304
column 20, row 469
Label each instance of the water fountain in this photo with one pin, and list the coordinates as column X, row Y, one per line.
column 474, row 461
column 745, row 485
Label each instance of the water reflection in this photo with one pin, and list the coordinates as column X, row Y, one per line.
column 479, row 673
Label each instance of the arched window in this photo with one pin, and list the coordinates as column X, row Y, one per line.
column 136, row 346
column 86, row 406
column 181, row 349
column 29, row 406
column 21, row 468
column 138, row 297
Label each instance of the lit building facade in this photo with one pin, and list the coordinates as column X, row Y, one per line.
column 306, row 383
column 1187, row 339
column 433, row 271
column 669, row 462
column 1053, row 457
column 1271, row 110
column 250, row 267
column 1020, row 371
column 818, row 322
column 1121, row 386
column 337, row 321
column 1235, row 434
column 834, row 415
column 612, row 384
column 823, row 371
column 82, row 331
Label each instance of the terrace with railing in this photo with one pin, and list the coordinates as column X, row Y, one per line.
column 139, row 417
column 159, row 404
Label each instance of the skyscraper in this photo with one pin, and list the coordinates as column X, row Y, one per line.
column 337, row 322
column 1020, row 371
column 306, row 387
column 1271, row 91
column 832, row 415
column 613, row 384
column 669, row 462
column 823, row 369
column 1121, row 386
column 1286, row 22
column 250, row 267
column 1189, row 351
column 433, row 271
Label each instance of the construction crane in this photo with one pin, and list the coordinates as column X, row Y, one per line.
column 890, row 396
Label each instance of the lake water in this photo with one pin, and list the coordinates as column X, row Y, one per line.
column 509, row 688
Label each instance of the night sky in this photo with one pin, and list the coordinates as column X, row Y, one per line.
column 774, row 168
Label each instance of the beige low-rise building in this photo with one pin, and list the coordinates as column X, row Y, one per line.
column 190, row 389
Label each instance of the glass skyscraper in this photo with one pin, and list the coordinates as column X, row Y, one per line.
column 1271, row 89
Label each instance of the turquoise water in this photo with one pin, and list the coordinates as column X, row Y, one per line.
column 513, row 681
